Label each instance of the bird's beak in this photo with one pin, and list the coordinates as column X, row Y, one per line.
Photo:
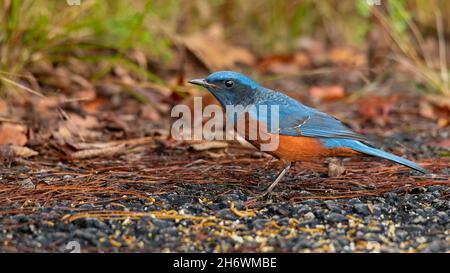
column 202, row 82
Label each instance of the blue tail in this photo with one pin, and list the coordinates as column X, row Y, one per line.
column 365, row 149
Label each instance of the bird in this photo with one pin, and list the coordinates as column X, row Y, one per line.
column 304, row 133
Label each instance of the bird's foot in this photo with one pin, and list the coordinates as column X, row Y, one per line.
column 259, row 197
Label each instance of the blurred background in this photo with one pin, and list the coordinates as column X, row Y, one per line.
column 100, row 65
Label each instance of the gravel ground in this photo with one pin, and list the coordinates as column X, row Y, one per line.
column 212, row 217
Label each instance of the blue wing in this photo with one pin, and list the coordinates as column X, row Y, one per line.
column 296, row 119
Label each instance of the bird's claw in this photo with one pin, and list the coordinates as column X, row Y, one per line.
column 254, row 199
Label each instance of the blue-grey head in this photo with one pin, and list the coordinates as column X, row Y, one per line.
column 229, row 87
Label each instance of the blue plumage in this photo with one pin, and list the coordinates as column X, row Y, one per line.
column 295, row 119
column 366, row 149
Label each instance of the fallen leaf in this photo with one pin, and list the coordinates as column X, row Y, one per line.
column 102, row 152
column 10, row 152
column 426, row 110
column 208, row 145
column 101, row 145
column 214, row 155
column 214, row 52
column 3, row 107
column 92, row 106
column 345, row 56
column 13, row 134
column 63, row 135
column 442, row 122
column 88, row 121
column 23, row 151
column 443, row 144
column 436, row 108
column 149, row 112
column 284, row 64
column 376, row 108
column 327, row 93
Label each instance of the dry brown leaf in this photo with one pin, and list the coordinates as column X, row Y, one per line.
column 88, row 121
column 443, row 144
column 92, row 106
column 346, row 57
column 85, row 90
column 284, row 64
column 23, row 151
column 208, row 145
column 13, row 134
column 139, row 57
column 3, row 107
column 442, row 122
column 63, row 135
column 214, row 52
column 327, row 93
column 376, row 108
column 149, row 112
column 124, row 75
column 436, row 108
column 426, row 110
column 101, row 145
column 47, row 104
column 440, row 101
column 12, row 151
column 102, row 152
column 76, row 127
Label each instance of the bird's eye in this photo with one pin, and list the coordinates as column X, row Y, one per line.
column 229, row 83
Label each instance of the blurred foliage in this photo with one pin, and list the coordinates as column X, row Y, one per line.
column 32, row 30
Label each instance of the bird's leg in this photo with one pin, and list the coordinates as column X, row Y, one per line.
column 286, row 167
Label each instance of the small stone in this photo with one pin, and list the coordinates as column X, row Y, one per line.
column 418, row 220
column 311, row 202
column 260, row 223
column 95, row 223
column 376, row 210
column 361, row 209
column 309, row 216
column 305, row 193
column 302, row 209
column 162, row 223
column 354, row 201
column 336, row 217
column 319, row 213
column 443, row 216
column 227, row 214
column 283, row 221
